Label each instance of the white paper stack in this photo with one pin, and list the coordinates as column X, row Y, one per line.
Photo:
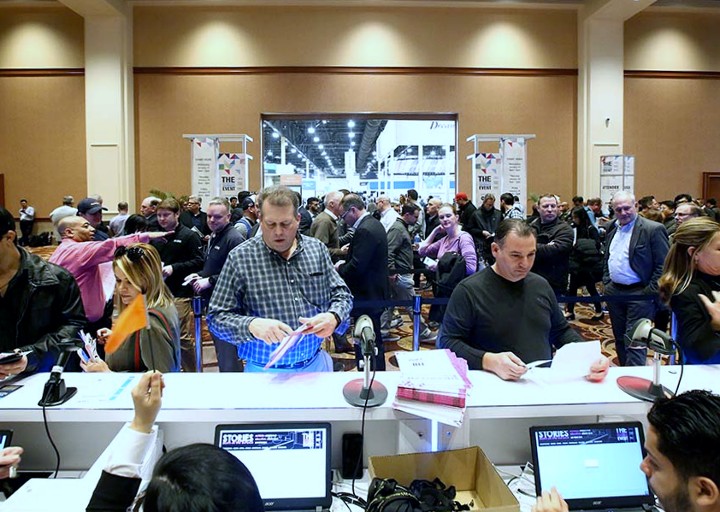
column 433, row 384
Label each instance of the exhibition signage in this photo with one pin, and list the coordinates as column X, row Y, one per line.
column 232, row 171
column 488, row 167
column 617, row 172
column 204, row 158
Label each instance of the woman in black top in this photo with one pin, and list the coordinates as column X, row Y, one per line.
column 585, row 261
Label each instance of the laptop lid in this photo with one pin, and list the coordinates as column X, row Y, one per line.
column 594, row 465
column 289, row 461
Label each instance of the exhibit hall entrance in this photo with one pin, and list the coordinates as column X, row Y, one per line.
column 372, row 154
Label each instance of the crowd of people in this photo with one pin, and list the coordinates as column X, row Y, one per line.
column 270, row 268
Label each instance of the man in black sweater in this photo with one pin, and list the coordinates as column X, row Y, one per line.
column 504, row 316
column 181, row 254
column 224, row 238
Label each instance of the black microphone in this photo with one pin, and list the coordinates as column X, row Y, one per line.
column 55, row 392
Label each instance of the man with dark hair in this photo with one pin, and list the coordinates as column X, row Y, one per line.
column 682, row 445
column 466, row 208
column 313, row 206
column 482, row 227
column 476, row 325
column 683, row 198
column 648, row 203
column 91, row 210
column 181, row 253
column 419, row 228
column 554, row 244
column 634, row 258
column 400, row 267
column 305, row 217
column 667, row 209
column 40, row 305
column 507, row 203
column 277, row 285
column 578, row 201
column 366, row 269
column 224, row 238
column 27, row 220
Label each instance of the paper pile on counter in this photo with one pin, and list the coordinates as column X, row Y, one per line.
column 433, row 384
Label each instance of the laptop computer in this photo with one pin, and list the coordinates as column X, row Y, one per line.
column 594, row 466
column 289, row 461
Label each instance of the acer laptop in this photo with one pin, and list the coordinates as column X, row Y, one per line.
column 594, row 466
column 289, row 461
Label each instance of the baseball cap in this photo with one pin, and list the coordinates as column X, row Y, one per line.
column 247, row 203
column 90, row 205
column 461, row 196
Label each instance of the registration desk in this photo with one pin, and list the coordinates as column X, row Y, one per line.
column 498, row 412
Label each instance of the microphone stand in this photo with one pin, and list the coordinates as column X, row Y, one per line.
column 644, row 389
column 359, row 391
column 55, row 391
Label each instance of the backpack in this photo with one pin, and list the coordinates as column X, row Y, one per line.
column 449, row 272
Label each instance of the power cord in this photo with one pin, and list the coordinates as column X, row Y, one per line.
column 52, row 443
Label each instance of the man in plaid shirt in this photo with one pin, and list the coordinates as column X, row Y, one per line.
column 271, row 285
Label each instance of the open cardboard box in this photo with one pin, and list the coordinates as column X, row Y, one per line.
column 469, row 470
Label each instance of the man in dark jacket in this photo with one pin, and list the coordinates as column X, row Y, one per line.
column 181, row 253
column 224, row 238
column 195, row 218
column 466, row 208
column 554, row 244
column 366, row 269
column 482, row 226
column 39, row 305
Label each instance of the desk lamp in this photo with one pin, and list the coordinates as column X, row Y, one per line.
column 644, row 335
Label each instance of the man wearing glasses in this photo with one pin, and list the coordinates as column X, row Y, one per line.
column 634, row 258
column 194, row 218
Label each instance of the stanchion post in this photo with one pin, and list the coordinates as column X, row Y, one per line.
column 416, row 322
column 197, row 304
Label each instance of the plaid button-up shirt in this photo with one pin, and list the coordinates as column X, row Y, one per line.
column 256, row 282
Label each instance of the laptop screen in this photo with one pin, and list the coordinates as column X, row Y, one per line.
column 289, row 461
column 593, row 466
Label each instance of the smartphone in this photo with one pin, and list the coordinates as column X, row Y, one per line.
column 5, row 438
column 12, row 357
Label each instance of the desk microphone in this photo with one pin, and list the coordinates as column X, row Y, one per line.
column 359, row 391
column 55, row 392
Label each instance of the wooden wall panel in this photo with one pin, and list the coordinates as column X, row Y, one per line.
column 672, row 128
column 42, row 140
column 167, row 106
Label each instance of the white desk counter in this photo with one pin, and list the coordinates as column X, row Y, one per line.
column 498, row 412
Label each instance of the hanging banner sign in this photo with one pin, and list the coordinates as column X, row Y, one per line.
column 204, row 165
column 487, row 179
column 514, row 167
column 232, row 173
column 617, row 172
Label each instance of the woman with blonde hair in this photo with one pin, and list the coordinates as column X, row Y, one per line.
column 138, row 271
column 690, row 276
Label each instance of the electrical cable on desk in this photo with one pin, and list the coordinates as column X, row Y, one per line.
column 52, row 443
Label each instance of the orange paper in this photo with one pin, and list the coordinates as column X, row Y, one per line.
column 133, row 318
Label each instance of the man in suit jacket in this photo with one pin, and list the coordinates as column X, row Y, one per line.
column 194, row 218
column 636, row 250
column 325, row 225
column 366, row 268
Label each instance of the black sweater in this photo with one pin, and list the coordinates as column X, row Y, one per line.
column 488, row 313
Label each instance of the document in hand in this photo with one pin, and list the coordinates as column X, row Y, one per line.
column 433, row 384
column 286, row 344
column 571, row 362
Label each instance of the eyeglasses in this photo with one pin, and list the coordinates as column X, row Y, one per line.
column 134, row 253
column 345, row 214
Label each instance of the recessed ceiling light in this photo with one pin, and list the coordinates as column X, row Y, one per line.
column 320, row 146
column 311, row 130
column 275, row 135
column 352, row 144
column 270, row 153
column 351, row 134
column 351, row 124
column 316, row 139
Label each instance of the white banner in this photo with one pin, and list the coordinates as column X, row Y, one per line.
column 617, row 172
column 486, row 177
column 232, row 173
column 514, row 168
column 204, row 166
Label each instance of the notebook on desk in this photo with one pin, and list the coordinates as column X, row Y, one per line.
column 593, row 466
column 289, row 461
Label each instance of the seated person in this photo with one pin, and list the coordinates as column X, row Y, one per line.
column 197, row 478
column 682, row 444
column 691, row 272
column 503, row 316
column 138, row 271
column 40, row 305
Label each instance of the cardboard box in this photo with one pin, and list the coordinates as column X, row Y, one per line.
column 469, row 470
